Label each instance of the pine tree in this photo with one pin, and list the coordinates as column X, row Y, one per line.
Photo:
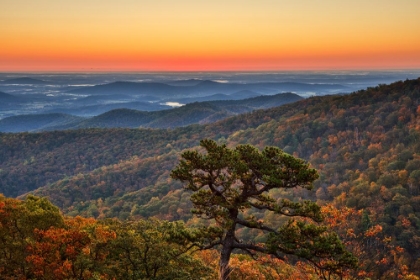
column 226, row 183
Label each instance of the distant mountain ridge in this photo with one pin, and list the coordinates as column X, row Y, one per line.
column 97, row 109
column 23, row 81
column 85, row 96
column 5, row 96
column 36, row 122
column 8, row 101
column 193, row 113
column 243, row 94
column 206, row 87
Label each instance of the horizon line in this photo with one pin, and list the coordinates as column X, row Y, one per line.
column 210, row 71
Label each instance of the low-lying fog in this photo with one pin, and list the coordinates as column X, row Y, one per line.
column 90, row 94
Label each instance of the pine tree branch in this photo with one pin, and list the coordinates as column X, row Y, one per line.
column 256, row 225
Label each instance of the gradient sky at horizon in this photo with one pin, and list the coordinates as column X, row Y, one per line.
column 217, row 35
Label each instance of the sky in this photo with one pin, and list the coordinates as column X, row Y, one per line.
column 204, row 35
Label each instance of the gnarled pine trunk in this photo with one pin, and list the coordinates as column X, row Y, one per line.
column 224, row 268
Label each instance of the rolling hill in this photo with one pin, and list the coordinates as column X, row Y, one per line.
column 243, row 94
column 89, row 109
column 36, row 122
column 198, row 112
column 7, row 97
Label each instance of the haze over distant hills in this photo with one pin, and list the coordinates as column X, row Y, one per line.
column 206, row 87
column 6, row 96
column 36, row 122
column 92, row 94
column 8, row 101
column 197, row 112
column 24, row 81
column 39, row 97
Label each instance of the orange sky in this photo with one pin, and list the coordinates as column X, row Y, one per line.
column 190, row 35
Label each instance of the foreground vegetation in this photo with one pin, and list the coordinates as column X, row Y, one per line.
column 38, row 242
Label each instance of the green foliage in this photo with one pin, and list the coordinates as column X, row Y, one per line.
column 227, row 182
column 226, row 179
column 153, row 249
column 321, row 248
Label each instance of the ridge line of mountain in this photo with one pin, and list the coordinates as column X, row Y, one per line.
column 196, row 112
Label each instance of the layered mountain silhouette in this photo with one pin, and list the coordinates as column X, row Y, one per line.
column 197, row 112
column 205, row 87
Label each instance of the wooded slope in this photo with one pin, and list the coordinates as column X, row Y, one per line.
column 366, row 146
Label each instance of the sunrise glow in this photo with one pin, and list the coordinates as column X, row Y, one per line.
column 191, row 35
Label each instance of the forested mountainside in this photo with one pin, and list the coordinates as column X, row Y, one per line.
column 197, row 112
column 366, row 147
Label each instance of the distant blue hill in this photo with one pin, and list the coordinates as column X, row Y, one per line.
column 243, row 94
column 207, row 87
column 130, row 88
column 36, row 122
column 189, row 82
column 24, row 81
column 5, row 96
column 219, row 96
column 97, row 109
column 192, row 113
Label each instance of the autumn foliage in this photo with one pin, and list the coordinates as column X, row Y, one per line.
column 365, row 147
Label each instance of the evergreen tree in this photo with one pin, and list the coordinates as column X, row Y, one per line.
column 227, row 182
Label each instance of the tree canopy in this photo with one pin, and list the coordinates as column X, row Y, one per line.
column 227, row 182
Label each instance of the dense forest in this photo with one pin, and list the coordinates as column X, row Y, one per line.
column 365, row 146
column 38, row 242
